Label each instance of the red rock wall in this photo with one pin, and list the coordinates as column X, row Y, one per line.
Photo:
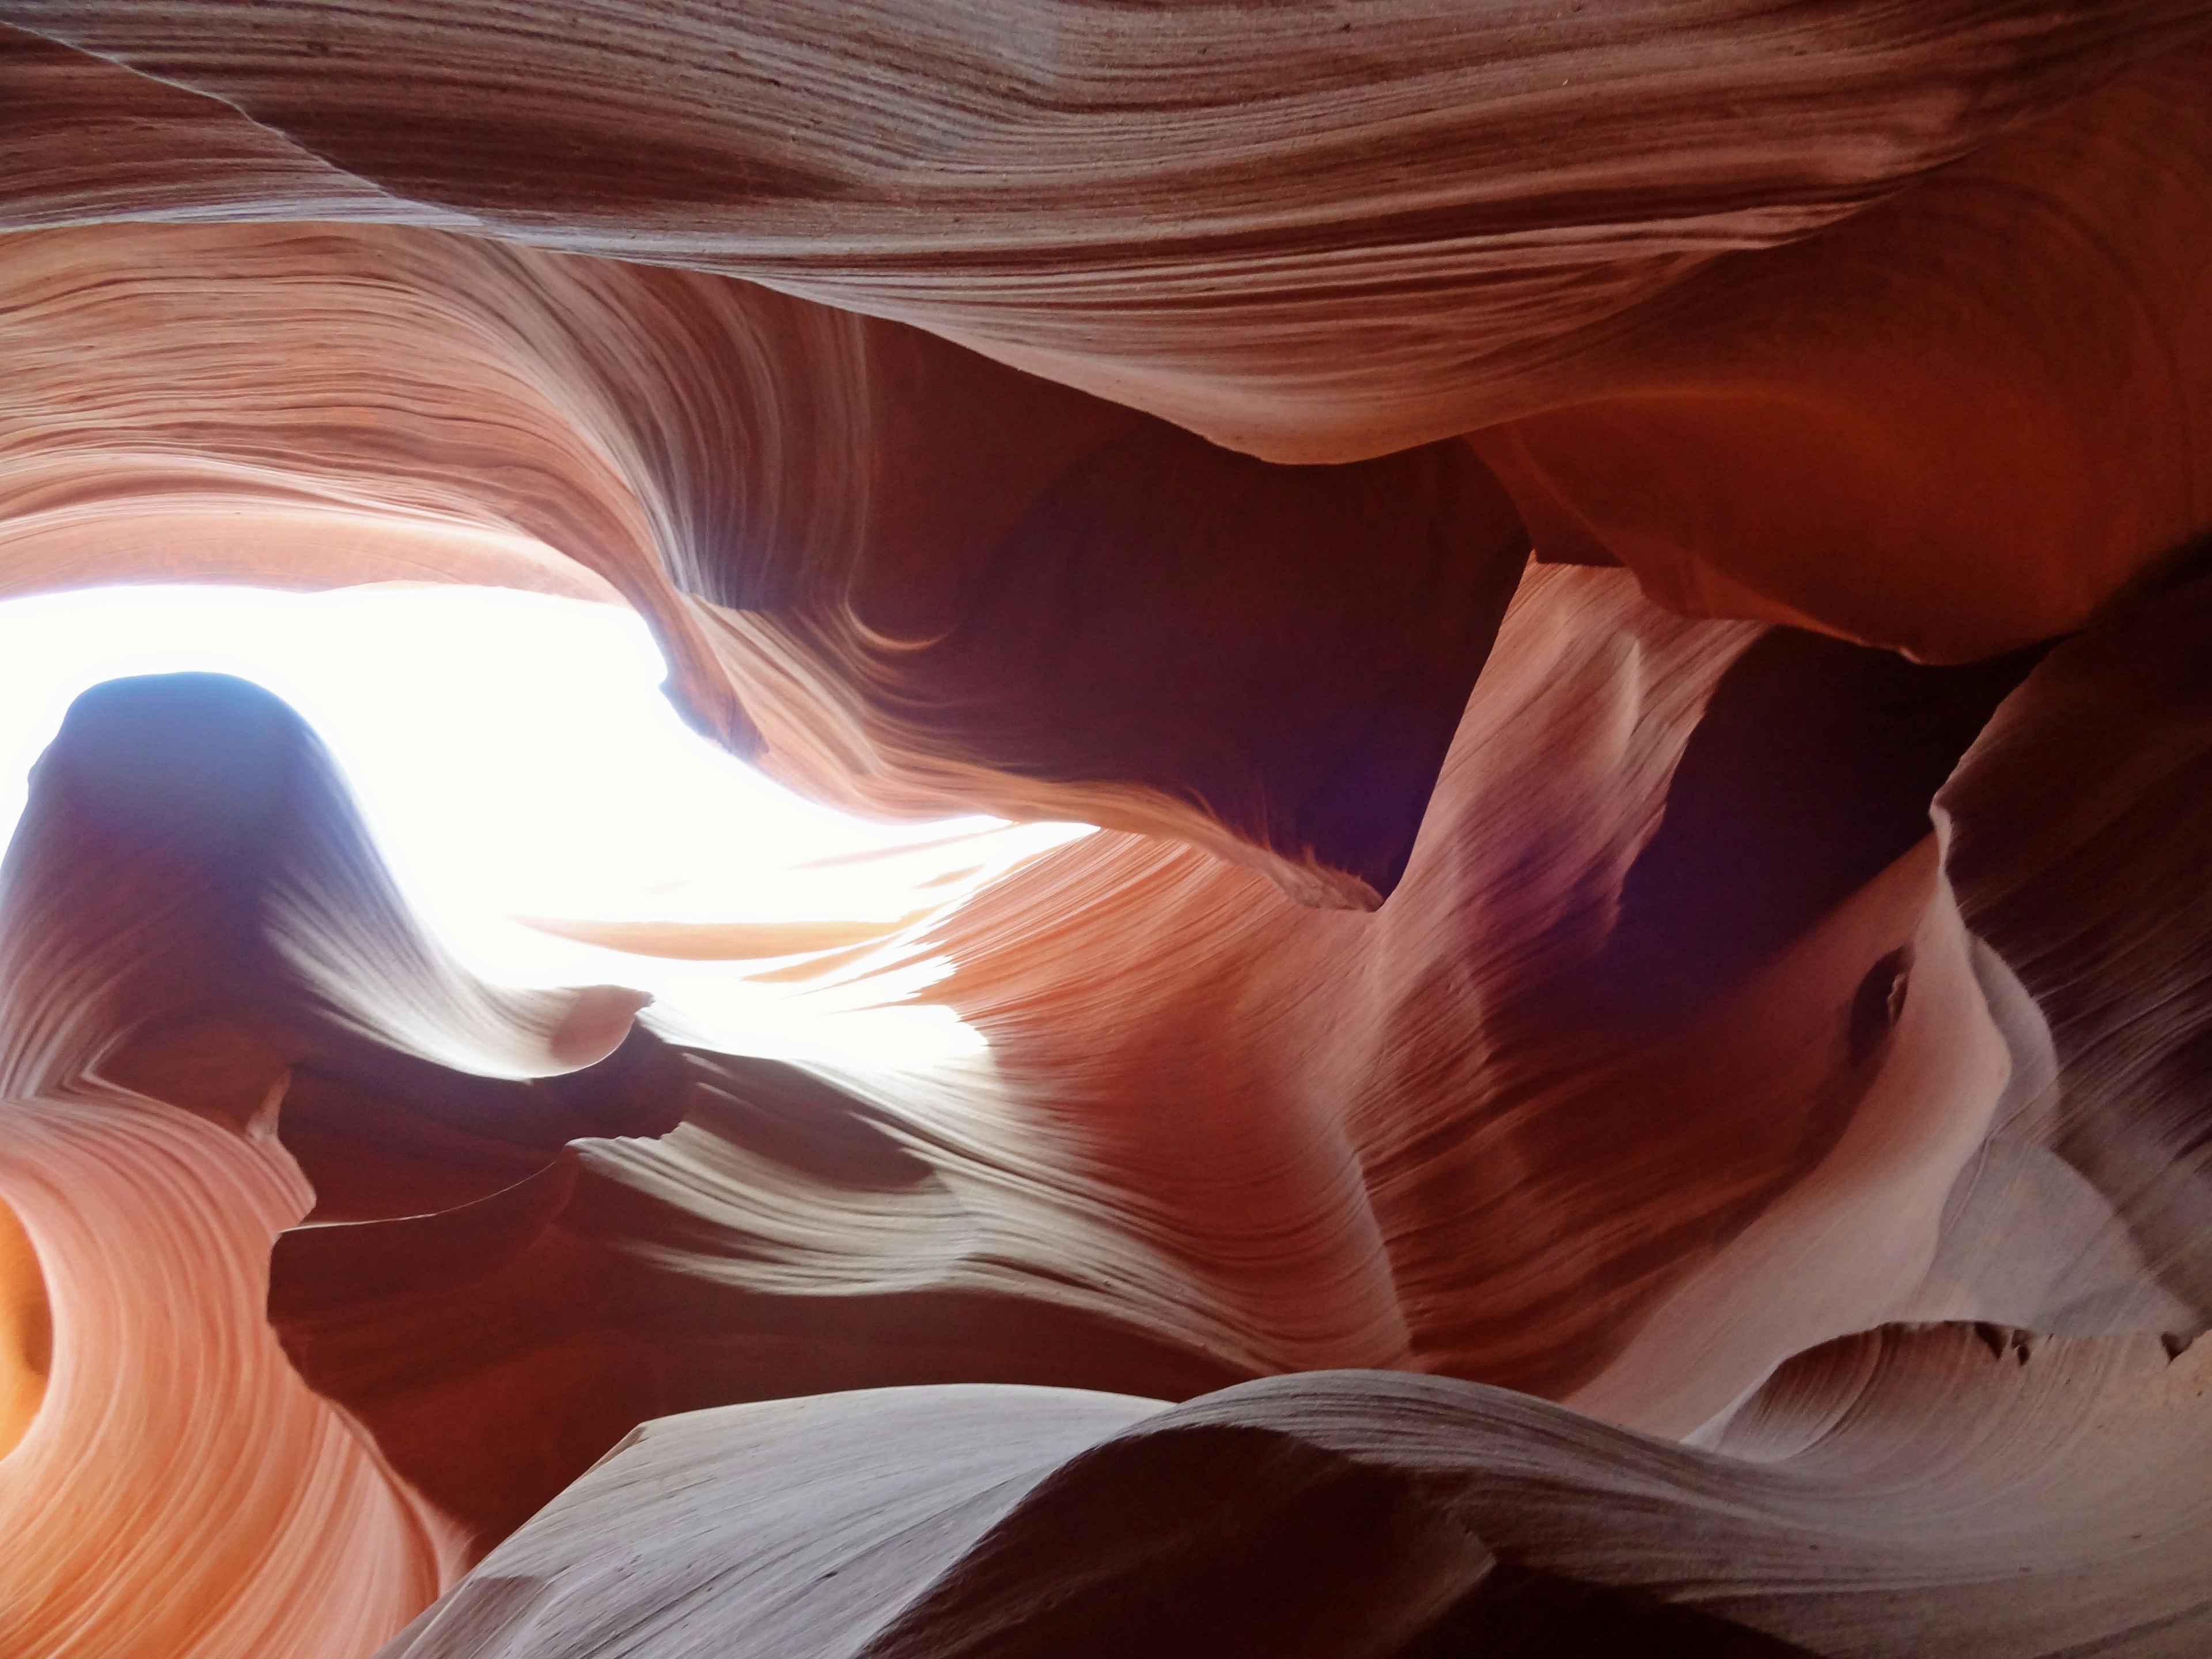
column 1641, row 1109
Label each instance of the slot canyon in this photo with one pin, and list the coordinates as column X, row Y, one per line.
column 1623, row 591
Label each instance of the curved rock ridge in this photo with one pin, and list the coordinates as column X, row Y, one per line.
column 2074, row 856
column 778, row 1238
column 1192, row 208
column 926, row 583
column 1675, row 996
column 179, row 1490
column 191, row 905
column 189, row 853
column 1874, row 319
column 1173, row 1168
column 1645, row 1108
column 1624, row 1101
column 1622, row 1109
column 1911, row 1485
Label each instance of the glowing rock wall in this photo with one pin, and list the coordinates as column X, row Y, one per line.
column 1626, row 585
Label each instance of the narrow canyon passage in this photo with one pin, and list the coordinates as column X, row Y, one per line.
column 1342, row 831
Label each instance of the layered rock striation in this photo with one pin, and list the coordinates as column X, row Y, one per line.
column 1627, row 587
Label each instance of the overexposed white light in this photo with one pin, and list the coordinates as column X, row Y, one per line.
column 514, row 757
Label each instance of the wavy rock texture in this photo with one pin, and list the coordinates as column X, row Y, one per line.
column 190, row 905
column 180, row 1490
column 1336, row 234
column 780, row 1238
column 1883, row 1506
column 1745, row 1191
column 839, row 527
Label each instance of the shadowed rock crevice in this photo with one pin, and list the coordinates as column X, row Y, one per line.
column 1812, row 770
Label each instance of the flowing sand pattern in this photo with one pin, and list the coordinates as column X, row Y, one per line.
column 1629, row 588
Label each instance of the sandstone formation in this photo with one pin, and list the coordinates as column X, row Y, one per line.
column 1626, row 1073
column 1369, row 1512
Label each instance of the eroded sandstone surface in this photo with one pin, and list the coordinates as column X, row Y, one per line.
column 1627, row 1074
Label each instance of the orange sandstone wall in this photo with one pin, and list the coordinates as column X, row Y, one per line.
column 1626, row 583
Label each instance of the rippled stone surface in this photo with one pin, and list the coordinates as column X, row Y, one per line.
column 1628, row 1075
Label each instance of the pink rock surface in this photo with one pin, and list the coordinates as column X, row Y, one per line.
column 1647, row 1098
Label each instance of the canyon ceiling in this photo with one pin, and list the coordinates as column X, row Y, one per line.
column 1630, row 586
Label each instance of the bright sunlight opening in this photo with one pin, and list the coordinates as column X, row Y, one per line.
column 537, row 797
